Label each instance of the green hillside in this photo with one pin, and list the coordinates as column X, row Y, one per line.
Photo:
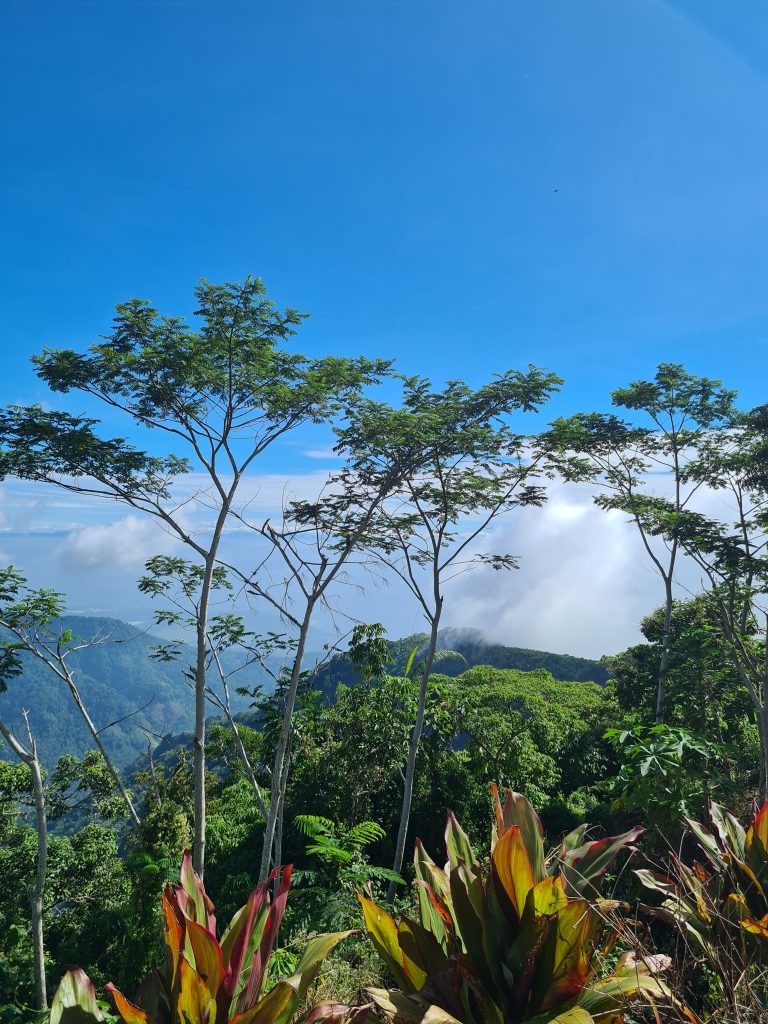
column 475, row 649
column 115, row 679
column 118, row 678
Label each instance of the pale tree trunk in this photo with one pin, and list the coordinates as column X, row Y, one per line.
column 37, row 894
column 277, row 854
column 198, row 847
column 29, row 757
column 279, row 768
column 413, row 750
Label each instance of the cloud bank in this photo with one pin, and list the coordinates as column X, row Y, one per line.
column 583, row 585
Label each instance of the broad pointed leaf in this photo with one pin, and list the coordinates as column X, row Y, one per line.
column 277, row 1005
column 421, row 951
column 129, row 1012
column 74, row 1001
column 708, row 844
column 613, row 993
column 518, row 812
column 585, row 864
column 457, row 843
column 250, row 993
column 207, row 953
column 197, row 906
column 195, row 1004
column 240, row 940
column 382, row 930
column 396, row 1005
column 562, row 967
column 512, row 869
column 175, row 934
column 729, row 828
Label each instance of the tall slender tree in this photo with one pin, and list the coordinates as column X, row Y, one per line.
column 469, row 466
column 642, row 464
column 220, row 395
column 733, row 554
column 314, row 543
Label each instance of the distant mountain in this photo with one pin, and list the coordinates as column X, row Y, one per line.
column 122, row 683
column 115, row 679
column 477, row 649
column 474, row 648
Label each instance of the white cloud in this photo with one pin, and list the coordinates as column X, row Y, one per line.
column 584, row 582
column 127, row 543
column 328, row 454
column 583, row 585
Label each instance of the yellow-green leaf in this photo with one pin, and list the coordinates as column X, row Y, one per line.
column 195, row 1004
column 512, row 868
column 382, row 929
column 75, row 1000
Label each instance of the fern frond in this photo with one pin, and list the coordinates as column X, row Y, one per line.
column 365, row 833
column 313, row 825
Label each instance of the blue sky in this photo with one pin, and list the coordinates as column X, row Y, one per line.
column 463, row 186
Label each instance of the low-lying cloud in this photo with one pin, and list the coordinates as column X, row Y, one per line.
column 583, row 585
column 584, row 582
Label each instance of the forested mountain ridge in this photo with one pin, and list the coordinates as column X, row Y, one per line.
column 474, row 648
column 122, row 683
column 131, row 695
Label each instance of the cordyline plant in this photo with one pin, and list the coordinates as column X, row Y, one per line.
column 516, row 940
column 721, row 908
column 732, row 889
column 206, row 980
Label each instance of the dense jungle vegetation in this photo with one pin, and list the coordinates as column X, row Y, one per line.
column 396, row 829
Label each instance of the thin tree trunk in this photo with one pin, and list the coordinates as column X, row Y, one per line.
column 36, row 892
column 198, row 847
column 39, row 888
column 278, row 851
column 413, row 750
column 101, row 748
column 279, row 774
column 661, row 689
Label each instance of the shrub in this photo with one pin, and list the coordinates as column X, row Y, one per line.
column 205, row 980
column 517, row 939
column 720, row 908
